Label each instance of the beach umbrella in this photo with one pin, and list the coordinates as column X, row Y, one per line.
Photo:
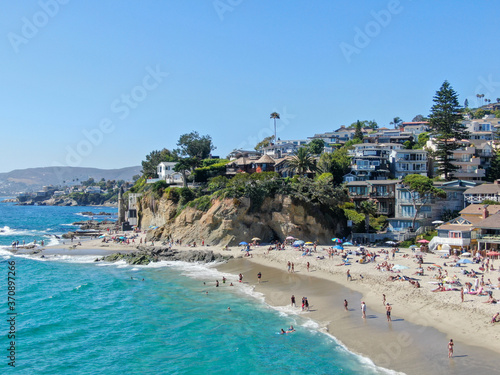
column 347, row 244
column 492, row 253
column 423, row 241
column 299, row 242
column 464, row 261
column 413, row 246
column 309, row 243
column 438, row 222
column 256, row 239
column 338, row 240
column 399, row 267
column 243, row 243
column 390, row 242
column 466, row 254
column 338, row 247
column 290, row 238
column 437, row 265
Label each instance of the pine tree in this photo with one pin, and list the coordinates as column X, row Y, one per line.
column 447, row 128
column 358, row 134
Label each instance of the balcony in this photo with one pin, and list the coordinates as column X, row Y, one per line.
column 488, row 238
column 453, row 241
column 382, row 194
column 364, row 167
column 479, row 199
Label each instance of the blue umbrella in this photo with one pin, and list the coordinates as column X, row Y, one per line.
column 338, row 247
column 243, row 243
column 299, row 242
column 463, row 261
column 347, row 244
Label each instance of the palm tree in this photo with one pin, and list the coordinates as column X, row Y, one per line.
column 275, row 115
column 302, row 161
column 367, row 208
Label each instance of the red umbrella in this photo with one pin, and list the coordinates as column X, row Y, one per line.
column 423, row 241
column 492, row 253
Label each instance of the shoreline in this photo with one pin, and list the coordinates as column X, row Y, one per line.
column 428, row 319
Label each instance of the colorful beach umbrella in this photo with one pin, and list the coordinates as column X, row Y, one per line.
column 338, row 240
column 309, row 243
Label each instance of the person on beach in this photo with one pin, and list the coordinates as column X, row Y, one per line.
column 450, row 348
column 345, row 305
column 307, row 265
column 349, row 277
column 388, row 309
column 289, row 266
column 495, row 318
column 259, row 276
column 293, row 267
column 462, row 293
column 293, row 301
column 223, row 280
column 216, row 283
column 363, row 310
column 240, row 277
column 383, row 299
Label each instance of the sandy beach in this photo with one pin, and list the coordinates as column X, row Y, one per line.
column 422, row 321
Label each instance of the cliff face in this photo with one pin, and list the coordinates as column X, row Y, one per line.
column 230, row 221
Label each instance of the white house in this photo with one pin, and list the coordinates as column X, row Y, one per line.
column 165, row 171
column 93, row 190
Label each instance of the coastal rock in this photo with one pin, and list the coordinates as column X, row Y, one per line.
column 146, row 255
column 230, row 221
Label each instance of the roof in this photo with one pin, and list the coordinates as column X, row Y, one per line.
column 243, row 161
column 456, row 227
column 477, row 209
column 491, row 222
column 484, row 189
column 265, row 159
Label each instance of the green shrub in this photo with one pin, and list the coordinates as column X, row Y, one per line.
column 202, row 203
column 187, row 195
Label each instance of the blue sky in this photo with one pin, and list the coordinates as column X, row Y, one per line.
column 103, row 83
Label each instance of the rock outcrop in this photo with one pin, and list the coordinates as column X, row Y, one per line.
column 230, row 221
column 154, row 254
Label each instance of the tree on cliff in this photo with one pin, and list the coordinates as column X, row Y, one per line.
column 153, row 159
column 358, row 134
column 301, row 162
column 446, row 125
column 184, row 165
column 316, row 146
column 338, row 163
column 275, row 116
column 192, row 145
column 367, row 208
column 419, row 190
column 264, row 143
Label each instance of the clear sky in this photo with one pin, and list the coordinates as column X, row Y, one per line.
column 102, row 83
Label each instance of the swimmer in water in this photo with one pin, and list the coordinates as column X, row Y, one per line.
column 282, row 331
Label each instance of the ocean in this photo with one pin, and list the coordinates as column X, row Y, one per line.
column 76, row 316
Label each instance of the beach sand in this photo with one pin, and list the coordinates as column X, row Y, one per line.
column 422, row 321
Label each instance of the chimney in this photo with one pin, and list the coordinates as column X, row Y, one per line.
column 485, row 212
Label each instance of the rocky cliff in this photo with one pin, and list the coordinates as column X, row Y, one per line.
column 230, row 221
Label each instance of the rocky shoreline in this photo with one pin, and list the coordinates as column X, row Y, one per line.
column 146, row 255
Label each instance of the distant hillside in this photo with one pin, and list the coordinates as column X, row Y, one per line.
column 32, row 179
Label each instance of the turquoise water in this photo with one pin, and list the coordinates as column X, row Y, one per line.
column 80, row 317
